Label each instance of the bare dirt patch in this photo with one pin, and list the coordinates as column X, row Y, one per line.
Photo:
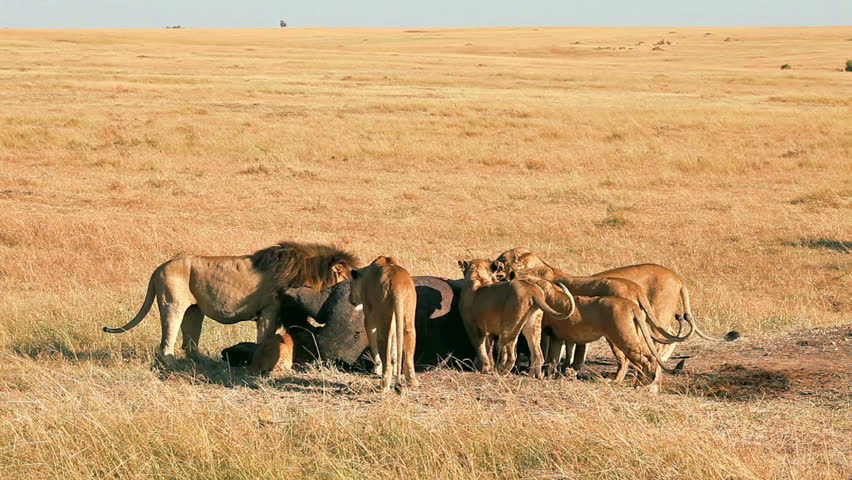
column 813, row 365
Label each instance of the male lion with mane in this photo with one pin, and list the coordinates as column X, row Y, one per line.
column 231, row 289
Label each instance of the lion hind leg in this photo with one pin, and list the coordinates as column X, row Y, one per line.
column 532, row 334
column 578, row 359
column 481, row 342
column 398, row 326
column 508, row 338
column 408, row 350
column 373, row 339
column 666, row 351
column 506, row 343
column 621, row 361
column 387, row 346
column 552, row 348
column 648, row 371
column 171, row 317
column 191, row 330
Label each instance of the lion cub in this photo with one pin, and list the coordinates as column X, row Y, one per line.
column 386, row 291
column 504, row 309
column 276, row 352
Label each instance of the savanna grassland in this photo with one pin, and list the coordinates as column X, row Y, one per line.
column 595, row 147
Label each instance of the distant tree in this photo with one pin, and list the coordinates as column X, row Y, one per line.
column 283, row 24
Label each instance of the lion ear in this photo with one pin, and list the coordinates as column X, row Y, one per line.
column 338, row 268
column 463, row 264
column 525, row 258
column 497, row 266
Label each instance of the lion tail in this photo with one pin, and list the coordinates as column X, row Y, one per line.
column 667, row 338
column 646, row 334
column 146, row 306
column 687, row 315
column 540, row 302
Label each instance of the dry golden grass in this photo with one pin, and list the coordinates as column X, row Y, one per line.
column 123, row 148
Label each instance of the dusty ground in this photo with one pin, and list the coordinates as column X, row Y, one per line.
column 813, row 365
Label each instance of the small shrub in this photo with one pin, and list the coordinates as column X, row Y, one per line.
column 161, row 183
column 615, row 137
column 614, row 218
column 786, row 66
column 260, row 169
column 849, row 65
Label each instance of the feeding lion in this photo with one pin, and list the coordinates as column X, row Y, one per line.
column 620, row 321
column 386, row 290
column 231, row 289
column 276, row 352
column 506, row 310
column 663, row 289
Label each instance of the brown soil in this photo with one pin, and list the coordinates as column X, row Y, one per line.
column 813, row 364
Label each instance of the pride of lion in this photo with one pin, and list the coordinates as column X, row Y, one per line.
column 633, row 308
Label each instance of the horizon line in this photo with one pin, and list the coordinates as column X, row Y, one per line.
column 5, row 27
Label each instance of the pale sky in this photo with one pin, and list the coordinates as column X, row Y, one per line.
column 422, row 13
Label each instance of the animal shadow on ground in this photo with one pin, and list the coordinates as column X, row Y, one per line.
column 310, row 378
column 314, row 385
column 727, row 382
column 734, row 382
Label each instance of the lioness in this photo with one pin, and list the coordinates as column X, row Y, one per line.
column 234, row 289
column 620, row 321
column 386, row 291
column 663, row 288
column 595, row 287
column 504, row 309
column 273, row 353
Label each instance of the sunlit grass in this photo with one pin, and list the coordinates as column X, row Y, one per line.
column 123, row 148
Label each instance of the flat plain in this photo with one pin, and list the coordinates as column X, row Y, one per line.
column 594, row 147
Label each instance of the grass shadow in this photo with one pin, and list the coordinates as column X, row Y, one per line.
column 55, row 350
column 825, row 243
column 312, row 385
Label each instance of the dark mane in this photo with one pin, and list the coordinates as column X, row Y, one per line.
column 302, row 264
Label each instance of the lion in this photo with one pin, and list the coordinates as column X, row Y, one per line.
column 276, row 352
column 662, row 288
column 504, row 309
column 387, row 293
column 234, row 289
column 593, row 287
column 620, row 321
